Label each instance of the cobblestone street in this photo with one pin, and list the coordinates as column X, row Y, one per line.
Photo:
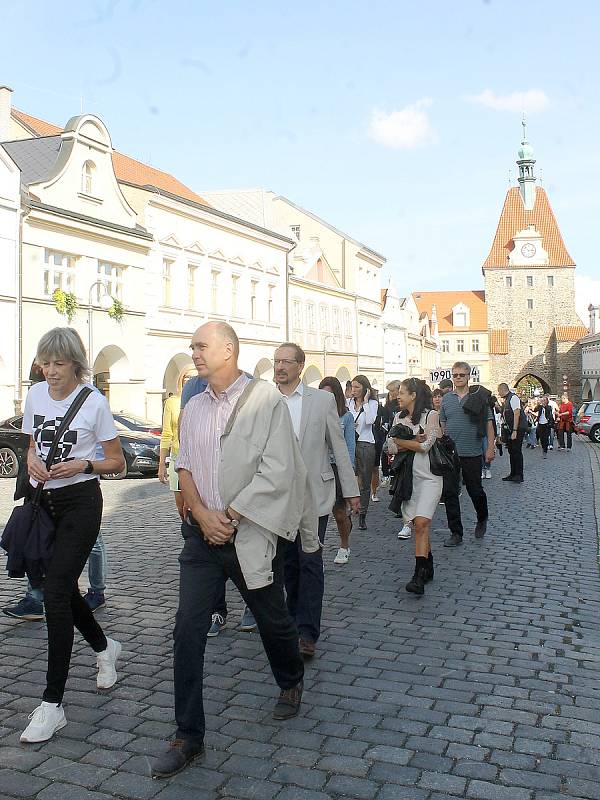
column 485, row 688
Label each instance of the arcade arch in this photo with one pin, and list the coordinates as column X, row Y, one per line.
column 531, row 386
column 312, row 376
column 178, row 366
column 111, row 364
column 264, row 370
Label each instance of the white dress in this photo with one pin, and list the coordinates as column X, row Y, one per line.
column 427, row 487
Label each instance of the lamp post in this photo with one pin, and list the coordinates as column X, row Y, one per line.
column 325, row 338
column 106, row 302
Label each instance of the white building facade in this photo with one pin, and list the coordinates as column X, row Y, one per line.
column 411, row 342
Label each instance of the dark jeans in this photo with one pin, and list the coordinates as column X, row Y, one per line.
column 77, row 513
column 305, row 584
column 471, row 472
column 561, row 438
column 203, row 571
column 543, row 432
column 515, row 454
column 365, row 462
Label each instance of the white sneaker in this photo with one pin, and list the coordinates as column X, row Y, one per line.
column 342, row 556
column 488, row 474
column 550, row 447
column 374, row 498
column 45, row 721
column 107, row 664
column 406, row 532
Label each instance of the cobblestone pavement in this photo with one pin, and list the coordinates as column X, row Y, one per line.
column 486, row 688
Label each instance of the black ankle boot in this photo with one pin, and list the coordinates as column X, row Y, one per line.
column 417, row 583
column 362, row 522
column 429, row 571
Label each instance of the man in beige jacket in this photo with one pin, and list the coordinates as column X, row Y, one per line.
column 245, row 483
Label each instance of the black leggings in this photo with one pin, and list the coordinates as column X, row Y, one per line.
column 77, row 513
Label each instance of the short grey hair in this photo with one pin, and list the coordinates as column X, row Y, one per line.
column 463, row 365
column 392, row 386
column 64, row 343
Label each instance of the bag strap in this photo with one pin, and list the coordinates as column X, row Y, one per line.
column 65, row 422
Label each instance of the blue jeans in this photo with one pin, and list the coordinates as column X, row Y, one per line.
column 305, row 584
column 484, row 446
column 97, row 567
column 532, row 435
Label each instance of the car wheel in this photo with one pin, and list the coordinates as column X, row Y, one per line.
column 595, row 434
column 9, row 463
column 116, row 476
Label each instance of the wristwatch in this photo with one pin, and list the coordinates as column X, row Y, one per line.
column 89, row 469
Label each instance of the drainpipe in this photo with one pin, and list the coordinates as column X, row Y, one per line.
column 287, row 293
column 21, row 214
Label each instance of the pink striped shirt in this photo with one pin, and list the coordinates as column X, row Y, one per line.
column 203, row 421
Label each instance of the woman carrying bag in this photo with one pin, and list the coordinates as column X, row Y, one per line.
column 364, row 410
column 72, row 498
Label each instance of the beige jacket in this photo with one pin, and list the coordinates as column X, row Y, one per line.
column 262, row 476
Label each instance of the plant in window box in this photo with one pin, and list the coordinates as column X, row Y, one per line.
column 65, row 303
column 117, row 310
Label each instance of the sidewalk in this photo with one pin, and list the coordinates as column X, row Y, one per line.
column 485, row 688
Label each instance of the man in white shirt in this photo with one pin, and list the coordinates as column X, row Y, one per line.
column 316, row 424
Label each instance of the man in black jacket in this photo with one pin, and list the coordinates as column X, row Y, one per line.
column 514, row 425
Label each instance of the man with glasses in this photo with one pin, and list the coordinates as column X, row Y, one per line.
column 316, row 424
column 463, row 428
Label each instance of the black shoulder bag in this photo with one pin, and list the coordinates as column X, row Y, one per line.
column 28, row 536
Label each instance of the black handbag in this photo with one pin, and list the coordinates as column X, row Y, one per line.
column 443, row 458
column 28, row 536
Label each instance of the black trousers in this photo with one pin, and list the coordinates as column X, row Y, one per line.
column 77, row 513
column 561, row 437
column 470, row 467
column 305, row 584
column 515, row 454
column 543, row 434
column 203, row 570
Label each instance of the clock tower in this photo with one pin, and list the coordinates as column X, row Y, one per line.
column 530, row 291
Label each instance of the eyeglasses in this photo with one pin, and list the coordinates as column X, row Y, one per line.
column 285, row 361
column 459, row 374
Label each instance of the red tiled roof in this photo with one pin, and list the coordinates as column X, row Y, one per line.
column 498, row 341
column 444, row 302
column 127, row 169
column 570, row 333
column 515, row 218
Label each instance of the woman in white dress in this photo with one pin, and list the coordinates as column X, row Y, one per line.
column 415, row 401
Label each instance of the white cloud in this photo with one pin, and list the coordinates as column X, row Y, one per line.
column 533, row 100
column 405, row 129
column 587, row 290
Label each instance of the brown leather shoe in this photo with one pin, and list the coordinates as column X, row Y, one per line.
column 307, row 648
column 289, row 701
column 178, row 755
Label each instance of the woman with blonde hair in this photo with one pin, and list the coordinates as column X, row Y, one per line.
column 72, row 498
column 169, row 440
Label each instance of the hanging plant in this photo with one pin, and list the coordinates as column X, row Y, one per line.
column 65, row 303
column 117, row 310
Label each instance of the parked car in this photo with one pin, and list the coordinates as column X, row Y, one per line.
column 141, row 450
column 587, row 421
column 134, row 423
column 13, row 446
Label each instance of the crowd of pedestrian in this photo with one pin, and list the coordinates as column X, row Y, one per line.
column 256, row 469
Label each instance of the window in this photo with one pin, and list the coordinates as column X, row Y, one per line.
column 459, row 319
column 87, row 178
column 295, row 231
column 347, row 322
column 550, row 281
column 270, row 306
column 460, row 345
column 166, row 282
column 530, row 304
column 508, row 282
column 530, row 281
column 530, row 349
column 253, row 285
column 234, row 295
column 192, row 286
column 475, row 345
column 214, row 290
column 445, row 345
column 324, row 318
column 335, row 320
column 112, row 277
column 530, row 323
column 311, row 318
column 297, row 315
column 59, row 272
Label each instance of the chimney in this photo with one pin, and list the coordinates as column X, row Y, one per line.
column 5, row 106
column 593, row 311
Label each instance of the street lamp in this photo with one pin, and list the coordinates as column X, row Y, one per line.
column 329, row 336
column 106, row 302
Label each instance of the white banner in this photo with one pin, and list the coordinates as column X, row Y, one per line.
column 438, row 375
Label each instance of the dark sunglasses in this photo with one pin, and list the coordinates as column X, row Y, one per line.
column 459, row 374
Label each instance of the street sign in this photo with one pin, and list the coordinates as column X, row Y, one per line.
column 438, row 375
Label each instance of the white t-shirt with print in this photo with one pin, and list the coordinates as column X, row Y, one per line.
column 93, row 423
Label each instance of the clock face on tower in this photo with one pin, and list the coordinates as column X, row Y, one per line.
column 528, row 250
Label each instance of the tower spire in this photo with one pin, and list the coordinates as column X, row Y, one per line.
column 525, row 163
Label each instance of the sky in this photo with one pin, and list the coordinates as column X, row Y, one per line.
column 397, row 122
